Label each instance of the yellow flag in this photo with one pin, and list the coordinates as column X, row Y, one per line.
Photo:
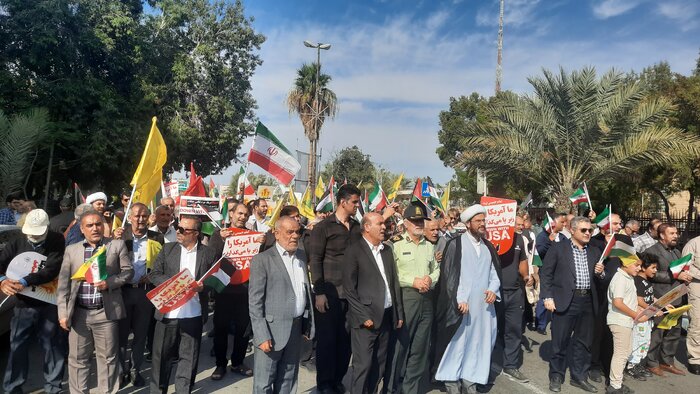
column 152, row 250
column 671, row 319
column 293, row 198
column 395, row 189
column 276, row 213
column 320, row 188
column 306, row 208
column 445, row 200
column 116, row 222
column 149, row 173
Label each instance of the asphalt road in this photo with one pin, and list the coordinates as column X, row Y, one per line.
column 534, row 366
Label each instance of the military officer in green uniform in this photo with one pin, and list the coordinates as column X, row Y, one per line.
column 418, row 272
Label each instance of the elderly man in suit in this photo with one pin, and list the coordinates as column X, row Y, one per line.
column 280, row 310
column 569, row 276
column 375, row 307
column 90, row 311
column 179, row 332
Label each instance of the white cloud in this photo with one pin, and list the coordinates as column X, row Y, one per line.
column 610, row 8
column 686, row 13
column 516, row 13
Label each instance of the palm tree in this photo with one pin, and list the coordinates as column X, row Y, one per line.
column 575, row 127
column 19, row 139
column 302, row 100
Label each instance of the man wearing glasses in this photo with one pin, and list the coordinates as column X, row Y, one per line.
column 179, row 332
column 572, row 299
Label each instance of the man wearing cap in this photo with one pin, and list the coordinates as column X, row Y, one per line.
column 466, row 315
column 99, row 203
column 33, row 317
column 90, row 311
column 418, row 272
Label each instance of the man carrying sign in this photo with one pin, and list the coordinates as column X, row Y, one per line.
column 32, row 317
column 179, row 332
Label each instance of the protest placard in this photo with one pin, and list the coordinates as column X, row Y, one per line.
column 171, row 189
column 199, row 206
column 500, row 222
column 672, row 295
column 239, row 249
column 29, row 262
column 173, row 293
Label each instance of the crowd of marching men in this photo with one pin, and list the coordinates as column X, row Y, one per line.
column 395, row 294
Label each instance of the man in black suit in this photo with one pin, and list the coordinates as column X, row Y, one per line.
column 374, row 296
column 139, row 310
column 179, row 332
column 568, row 289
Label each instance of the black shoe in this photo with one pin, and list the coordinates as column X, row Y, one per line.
column 148, row 357
column 124, row 380
column 584, row 385
column 516, row 374
column 542, row 332
column 694, row 369
column 555, row 384
column 595, row 375
column 339, row 388
column 627, row 390
column 137, row 379
column 218, row 373
column 635, row 374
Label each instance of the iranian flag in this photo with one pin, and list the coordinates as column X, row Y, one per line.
column 680, row 265
column 216, row 278
column 580, row 196
column 377, row 199
column 603, row 219
column 547, row 224
column 272, row 156
column 93, row 270
column 243, row 183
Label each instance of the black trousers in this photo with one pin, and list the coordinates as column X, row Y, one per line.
column 513, row 304
column 369, row 349
column 602, row 348
column 332, row 344
column 231, row 307
column 663, row 346
column 576, row 323
column 176, row 338
column 139, row 313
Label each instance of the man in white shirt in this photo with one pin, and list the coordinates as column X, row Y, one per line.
column 258, row 220
column 373, row 292
column 280, row 310
column 179, row 332
column 164, row 218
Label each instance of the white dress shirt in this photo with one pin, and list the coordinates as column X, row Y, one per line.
column 377, row 253
column 139, row 257
column 169, row 236
column 188, row 259
column 257, row 225
column 296, row 275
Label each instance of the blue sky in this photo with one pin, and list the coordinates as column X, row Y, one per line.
column 396, row 63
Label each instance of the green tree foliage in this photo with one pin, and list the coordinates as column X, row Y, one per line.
column 574, row 127
column 102, row 68
column 351, row 164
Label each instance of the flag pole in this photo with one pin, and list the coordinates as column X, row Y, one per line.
column 245, row 171
column 585, row 189
column 128, row 206
column 607, row 245
column 209, row 216
column 209, row 270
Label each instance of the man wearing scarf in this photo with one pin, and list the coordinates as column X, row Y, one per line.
column 465, row 315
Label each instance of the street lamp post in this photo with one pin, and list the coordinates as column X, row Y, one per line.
column 317, row 114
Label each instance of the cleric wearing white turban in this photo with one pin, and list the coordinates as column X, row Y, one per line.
column 99, row 203
column 472, row 211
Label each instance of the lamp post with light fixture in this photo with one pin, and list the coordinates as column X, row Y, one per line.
column 317, row 114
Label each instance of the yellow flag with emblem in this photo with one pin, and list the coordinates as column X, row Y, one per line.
column 395, row 189
column 445, row 200
column 306, row 208
column 671, row 319
column 320, row 187
column 149, row 174
column 152, row 250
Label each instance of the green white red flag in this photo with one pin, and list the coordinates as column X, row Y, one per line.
column 547, row 223
column 603, row 219
column 377, row 198
column 270, row 154
column 680, row 265
column 579, row 197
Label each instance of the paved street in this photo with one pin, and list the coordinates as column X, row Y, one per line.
column 534, row 367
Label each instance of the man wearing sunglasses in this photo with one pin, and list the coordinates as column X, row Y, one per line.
column 179, row 332
column 573, row 301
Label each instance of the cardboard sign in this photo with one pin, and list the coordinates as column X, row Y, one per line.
column 190, row 205
column 265, row 191
column 171, row 189
column 29, row 262
column 239, row 250
column 672, row 295
column 173, row 293
column 500, row 222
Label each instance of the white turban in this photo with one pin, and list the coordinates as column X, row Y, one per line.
column 472, row 211
column 96, row 196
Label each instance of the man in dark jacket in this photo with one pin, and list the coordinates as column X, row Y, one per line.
column 33, row 316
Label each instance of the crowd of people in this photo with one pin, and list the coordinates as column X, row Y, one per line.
column 410, row 298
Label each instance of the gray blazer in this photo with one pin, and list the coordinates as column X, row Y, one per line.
column 119, row 271
column 271, row 300
column 167, row 265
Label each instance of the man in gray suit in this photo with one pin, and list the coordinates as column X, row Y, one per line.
column 279, row 303
column 179, row 332
column 90, row 311
column 374, row 294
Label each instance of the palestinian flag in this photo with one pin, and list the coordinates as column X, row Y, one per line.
column 362, row 209
column 216, row 278
column 433, row 199
column 603, row 219
column 579, row 197
column 622, row 250
column 417, row 195
column 272, row 156
column 547, row 223
column 93, row 270
column 306, row 207
column 224, row 213
column 212, row 188
column 536, row 259
column 325, row 204
column 680, row 265
column 377, row 199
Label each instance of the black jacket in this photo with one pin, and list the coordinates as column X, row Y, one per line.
column 53, row 248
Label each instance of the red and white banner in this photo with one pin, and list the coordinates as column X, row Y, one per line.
column 171, row 189
column 173, row 293
column 199, row 206
column 239, row 249
column 500, row 222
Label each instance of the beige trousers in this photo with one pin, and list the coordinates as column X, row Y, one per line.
column 693, row 339
column 622, row 347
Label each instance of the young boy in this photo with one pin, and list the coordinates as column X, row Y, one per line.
column 641, row 333
column 622, row 310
